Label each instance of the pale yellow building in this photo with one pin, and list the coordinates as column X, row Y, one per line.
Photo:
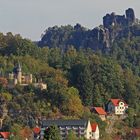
column 18, row 78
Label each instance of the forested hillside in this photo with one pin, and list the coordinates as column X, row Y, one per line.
column 80, row 72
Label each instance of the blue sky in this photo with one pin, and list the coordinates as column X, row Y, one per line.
column 31, row 17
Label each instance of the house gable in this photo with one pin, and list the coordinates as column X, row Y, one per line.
column 95, row 131
column 117, row 106
column 101, row 112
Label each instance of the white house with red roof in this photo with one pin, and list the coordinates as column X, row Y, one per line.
column 95, row 131
column 117, row 106
column 36, row 132
column 101, row 112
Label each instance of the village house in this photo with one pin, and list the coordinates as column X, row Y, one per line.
column 101, row 112
column 4, row 135
column 40, row 85
column 95, row 131
column 36, row 132
column 82, row 128
column 117, row 106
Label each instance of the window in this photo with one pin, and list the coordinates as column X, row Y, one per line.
column 63, row 131
column 82, row 131
column 121, row 103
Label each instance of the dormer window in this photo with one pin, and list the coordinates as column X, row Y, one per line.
column 121, row 103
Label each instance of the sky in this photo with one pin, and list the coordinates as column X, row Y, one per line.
column 31, row 18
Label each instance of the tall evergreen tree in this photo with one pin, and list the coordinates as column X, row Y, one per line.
column 97, row 98
column 86, row 86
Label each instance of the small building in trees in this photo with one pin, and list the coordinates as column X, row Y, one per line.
column 82, row 128
column 117, row 106
column 36, row 132
column 4, row 135
column 17, row 77
column 101, row 112
column 40, row 85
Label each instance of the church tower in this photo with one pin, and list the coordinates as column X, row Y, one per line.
column 19, row 74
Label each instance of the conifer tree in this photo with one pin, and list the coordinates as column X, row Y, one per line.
column 52, row 133
column 86, row 86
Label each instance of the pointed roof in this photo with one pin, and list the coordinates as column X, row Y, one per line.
column 136, row 132
column 19, row 66
column 116, row 102
column 36, row 130
column 5, row 135
column 100, row 110
column 94, row 127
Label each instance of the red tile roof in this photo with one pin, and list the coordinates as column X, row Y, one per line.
column 100, row 110
column 117, row 137
column 94, row 126
column 36, row 130
column 5, row 135
column 116, row 102
column 136, row 132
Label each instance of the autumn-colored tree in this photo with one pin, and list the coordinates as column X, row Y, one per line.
column 3, row 83
column 26, row 133
column 72, row 106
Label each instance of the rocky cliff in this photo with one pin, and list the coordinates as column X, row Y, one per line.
column 114, row 27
